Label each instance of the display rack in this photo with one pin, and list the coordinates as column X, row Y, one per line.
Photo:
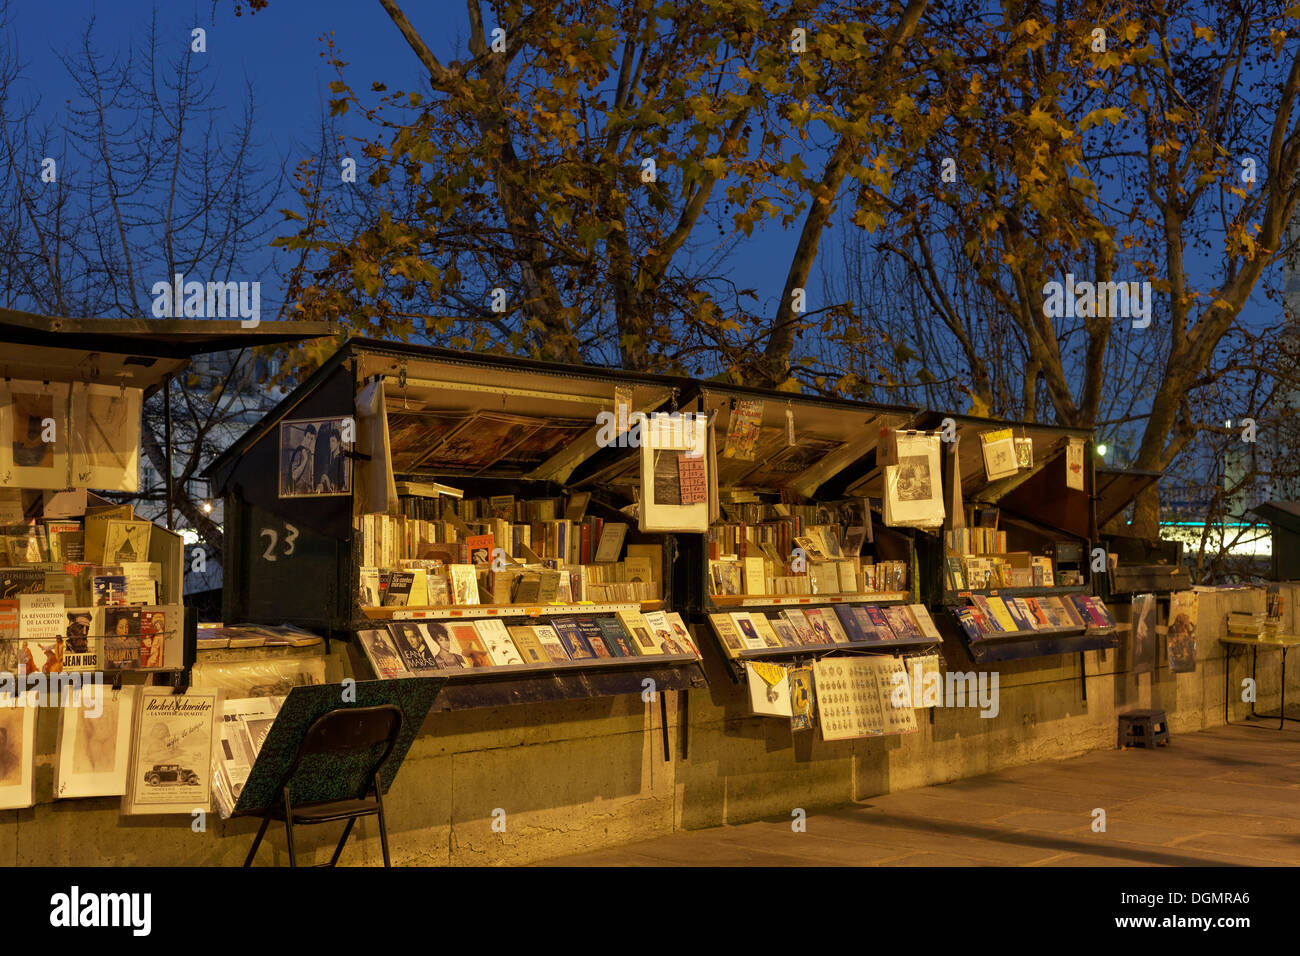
column 1041, row 516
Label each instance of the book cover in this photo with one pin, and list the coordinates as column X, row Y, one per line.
column 923, row 620
column 748, row 633
column 639, row 628
column 800, row 625
column 153, row 639
column 549, row 638
column 611, row 542
column 464, row 584
column 1001, row 613
column 683, row 635
column 472, row 648
column 575, row 645
column 18, row 750
column 529, row 647
column 902, row 624
column 41, row 625
column 616, row 637
column 416, row 654
column 853, row 630
column 764, row 628
column 498, row 642
column 398, row 593
column 784, row 632
column 381, row 654
column 727, row 633
column 1038, row 617
column 816, row 620
column 1023, row 622
column 1100, row 612
column 109, row 590
column 479, row 548
column 594, row 636
column 11, row 647
column 876, row 626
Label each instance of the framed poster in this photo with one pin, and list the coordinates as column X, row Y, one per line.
column 313, row 457
column 34, row 435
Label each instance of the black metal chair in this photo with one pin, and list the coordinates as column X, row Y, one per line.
column 336, row 734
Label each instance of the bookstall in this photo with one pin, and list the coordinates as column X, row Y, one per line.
column 1011, row 568
column 431, row 499
column 92, row 591
column 796, row 578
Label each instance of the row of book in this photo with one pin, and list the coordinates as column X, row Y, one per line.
column 975, row 540
column 110, row 535
column 44, row 541
column 406, row 648
column 461, row 532
column 778, row 538
column 820, row 627
column 135, row 582
column 993, row 615
column 758, row 576
column 39, row 633
column 429, row 583
column 992, row 571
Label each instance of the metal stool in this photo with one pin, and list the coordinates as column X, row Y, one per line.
column 1143, row 728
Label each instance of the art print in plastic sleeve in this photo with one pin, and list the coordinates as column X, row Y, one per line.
column 1182, row 632
column 105, row 437
column 34, row 435
column 171, row 772
column 18, row 750
column 314, row 460
column 743, row 425
column 94, row 754
column 913, row 487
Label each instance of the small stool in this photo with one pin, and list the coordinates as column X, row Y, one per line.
column 1143, row 728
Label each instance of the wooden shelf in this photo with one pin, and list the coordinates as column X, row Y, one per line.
column 756, row 654
column 476, row 611
column 721, row 601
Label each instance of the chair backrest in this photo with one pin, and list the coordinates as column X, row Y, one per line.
column 347, row 731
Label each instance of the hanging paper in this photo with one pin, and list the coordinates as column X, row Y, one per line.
column 999, row 453
column 742, row 430
column 690, row 475
column 913, row 487
column 1074, row 463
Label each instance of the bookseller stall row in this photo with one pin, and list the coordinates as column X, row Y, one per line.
column 535, row 532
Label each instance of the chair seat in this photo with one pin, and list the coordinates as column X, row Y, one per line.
column 330, row 811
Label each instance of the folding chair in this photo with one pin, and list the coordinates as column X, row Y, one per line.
column 336, row 734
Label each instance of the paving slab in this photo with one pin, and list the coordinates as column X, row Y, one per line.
column 1221, row 797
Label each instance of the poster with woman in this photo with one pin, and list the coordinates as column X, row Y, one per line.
column 314, row 460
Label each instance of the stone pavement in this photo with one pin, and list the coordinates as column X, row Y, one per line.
column 1222, row 797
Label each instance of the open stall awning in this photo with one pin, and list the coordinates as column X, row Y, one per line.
column 131, row 352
